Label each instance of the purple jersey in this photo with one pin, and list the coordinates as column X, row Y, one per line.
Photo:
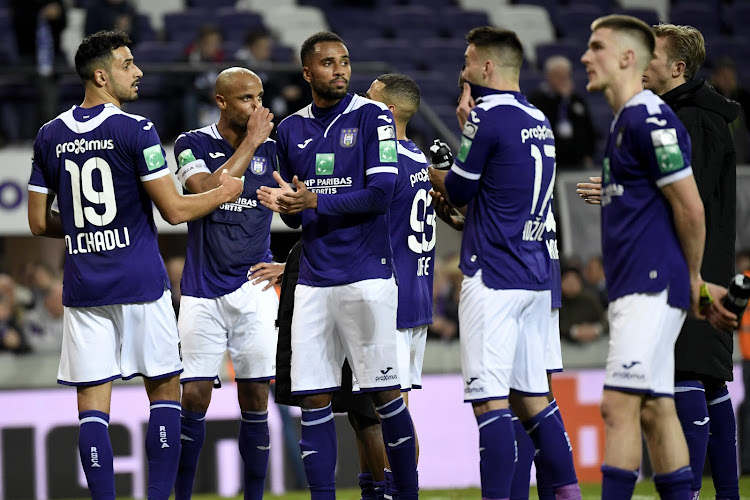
column 347, row 155
column 225, row 243
column 413, row 237
column 507, row 160
column 648, row 148
column 96, row 160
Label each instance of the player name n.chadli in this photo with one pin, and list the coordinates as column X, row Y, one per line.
column 80, row 146
column 97, row 241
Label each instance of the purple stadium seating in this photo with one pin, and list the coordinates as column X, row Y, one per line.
column 184, row 26
column 572, row 49
column 235, row 24
column 648, row 16
column 575, row 21
column 737, row 17
column 211, row 4
column 158, row 52
column 736, row 48
column 698, row 15
column 457, row 22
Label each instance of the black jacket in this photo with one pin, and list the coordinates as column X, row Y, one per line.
column 700, row 349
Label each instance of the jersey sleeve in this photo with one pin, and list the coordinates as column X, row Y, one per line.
column 37, row 182
column 381, row 170
column 150, row 157
column 282, row 166
column 666, row 148
column 189, row 159
column 477, row 144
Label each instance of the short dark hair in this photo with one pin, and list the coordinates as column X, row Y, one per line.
column 96, row 50
column 630, row 25
column 505, row 42
column 308, row 46
column 401, row 88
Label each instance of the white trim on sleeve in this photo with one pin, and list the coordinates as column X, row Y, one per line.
column 677, row 176
column 155, row 175
column 465, row 174
column 381, row 170
column 39, row 189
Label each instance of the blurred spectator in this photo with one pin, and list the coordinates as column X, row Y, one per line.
column 43, row 325
column 117, row 15
column 174, row 266
column 581, row 315
column 37, row 25
column 11, row 336
column 446, row 291
column 198, row 103
column 283, row 93
column 594, row 280
column 743, row 266
column 567, row 111
column 724, row 80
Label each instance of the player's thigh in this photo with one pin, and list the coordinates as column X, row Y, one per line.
column 553, row 352
column 643, row 330
column 252, row 333
column 529, row 375
column 489, row 332
column 366, row 324
column 317, row 354
column 150, row 342
column 418, row 345
column 90, row 352
column 203, row 337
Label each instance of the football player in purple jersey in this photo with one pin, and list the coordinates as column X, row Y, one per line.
column 220, row 309
column 105, row 167
column 653, row 232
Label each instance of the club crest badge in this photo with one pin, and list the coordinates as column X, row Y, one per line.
column 348, row 137
column 258, row 165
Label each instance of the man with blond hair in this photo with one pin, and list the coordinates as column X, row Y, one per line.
column 652, row 269
column 703, row 355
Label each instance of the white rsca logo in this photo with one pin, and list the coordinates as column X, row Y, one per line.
column 386, row 132
column 656, row 121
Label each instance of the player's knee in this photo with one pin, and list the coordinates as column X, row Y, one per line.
column 253, row 396
column 384, row 397
column 195, row 397
column 656, row 412
column 315, row 401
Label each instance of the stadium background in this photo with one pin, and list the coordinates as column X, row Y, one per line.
column 424, row 39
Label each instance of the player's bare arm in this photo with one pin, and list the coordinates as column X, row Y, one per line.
column 42, row 220
column 177, row 208
column 465, row 105
column 437, row 179
column 266, row 271
column 449, row 214
column 259, row 127
column 690, row 223
column 590, row 192
column 285, row 199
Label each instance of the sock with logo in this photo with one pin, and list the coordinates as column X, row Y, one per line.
column 192, row 435
column 690, row 402
column 366, row 486
column 519, row 487
column 674, row 485
column 544, row 490
column 722, row 445
column 497, row 453
column 254, row 443
column 390, row 492
column 618, row 484
column 163, row 448
column 318, row 447
column 378, row 488
column 400, row 447
column 96, row 454
column 555, row 457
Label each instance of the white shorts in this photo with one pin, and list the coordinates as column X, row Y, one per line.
column 503, row 340
column 643, row 329
column 242, row 322
column 356, row 321
column 103, row 343
column 411, row 345
column 553, row 354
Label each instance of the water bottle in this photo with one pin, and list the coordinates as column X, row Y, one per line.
column 737, row 295
column 442, row 157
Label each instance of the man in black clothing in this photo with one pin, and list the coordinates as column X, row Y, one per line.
column 567, row 111
column 703, row 355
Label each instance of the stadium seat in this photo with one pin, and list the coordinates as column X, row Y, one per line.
column 143, row 27
column 350, row 19
column 236, row 24
column 605, row 5
column 458, row 22
column 737, row 17
column 358, row 35
column 398, row 22
column 437, row 88
column 486, row 5
column 648, row 16
column 697, row 15
column 398, row 53
column 183, row 26
column 260, row 6
column 293, row 24
column 736, row 48
column 283, row 54
column 210, row 4
column 529, row 82
column 660, row 6
column 158, row 52
column 572, row 49
column 442, row 55
column 531, row 23
column 574, row 21
column 157, row 9
column 73, row 33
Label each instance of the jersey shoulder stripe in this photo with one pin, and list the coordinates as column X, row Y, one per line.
column 646, row 98
column 495, row 100
column 83, row 127
column 418, row 157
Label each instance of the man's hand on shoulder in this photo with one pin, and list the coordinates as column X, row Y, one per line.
column 266, row 271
